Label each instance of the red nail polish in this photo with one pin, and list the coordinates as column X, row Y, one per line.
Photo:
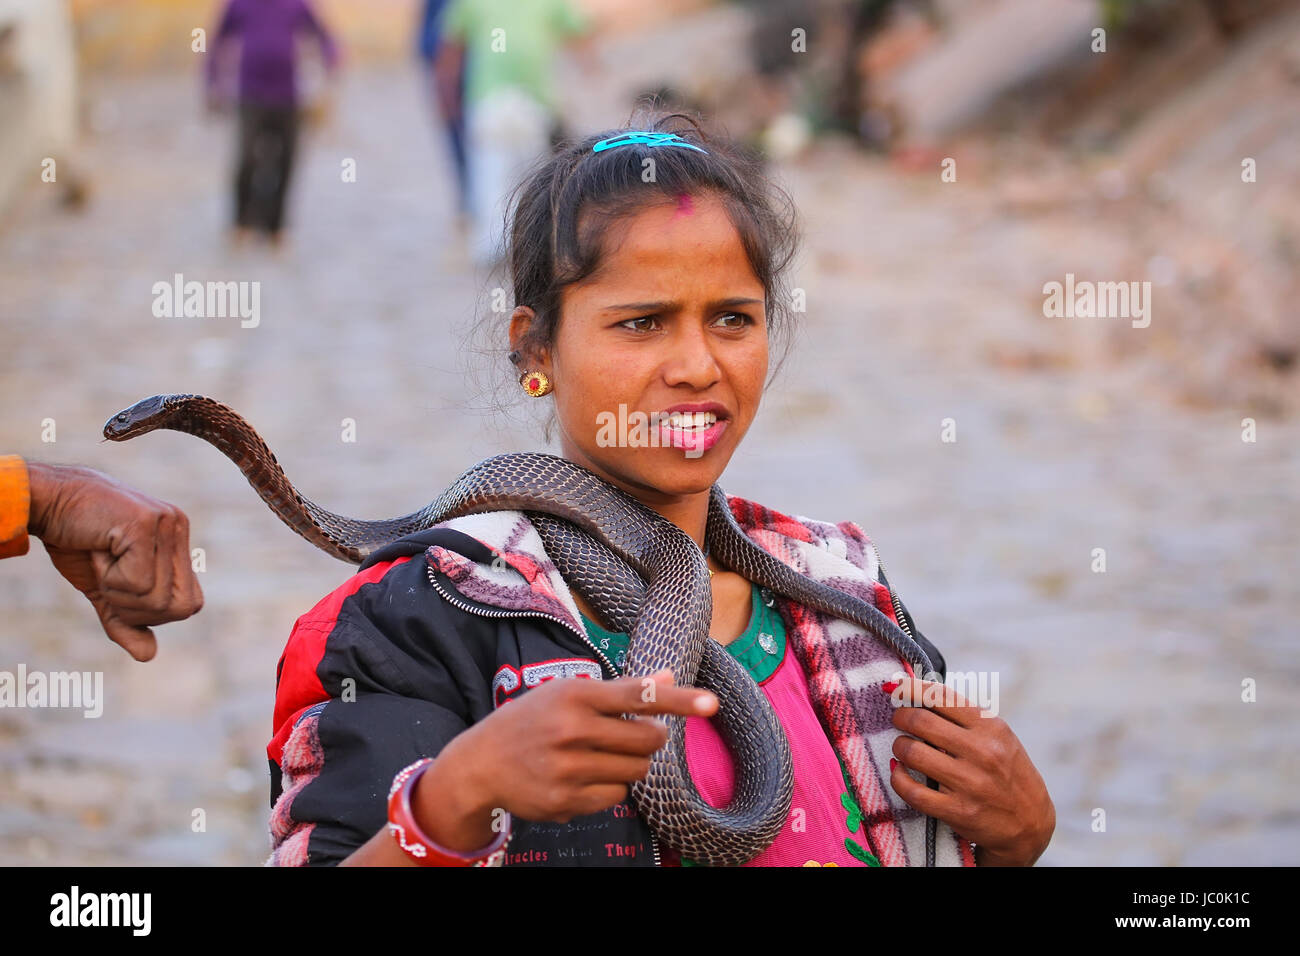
column 892, row 764
column 889, row 686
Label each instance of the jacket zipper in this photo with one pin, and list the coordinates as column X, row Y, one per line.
column 893, row 598
column 499, row 612
column 931, row 825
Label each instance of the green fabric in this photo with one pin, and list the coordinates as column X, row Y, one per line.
column 761, row 663
column 512, row 43
column 854, row 819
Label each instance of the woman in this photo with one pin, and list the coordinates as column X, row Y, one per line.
column 648, row 269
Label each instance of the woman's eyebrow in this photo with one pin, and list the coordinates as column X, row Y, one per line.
column 676, row 306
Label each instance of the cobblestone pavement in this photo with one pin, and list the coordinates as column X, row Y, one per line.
column 1125, row 686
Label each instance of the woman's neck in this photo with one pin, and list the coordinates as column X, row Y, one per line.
column 690, row 512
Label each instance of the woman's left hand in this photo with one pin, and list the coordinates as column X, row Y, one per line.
column 989, row 790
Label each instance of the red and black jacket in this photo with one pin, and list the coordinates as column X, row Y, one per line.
column 420, row 644
column 384, row 671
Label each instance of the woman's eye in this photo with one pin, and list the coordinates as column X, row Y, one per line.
column 644, row 328
column 646, row 323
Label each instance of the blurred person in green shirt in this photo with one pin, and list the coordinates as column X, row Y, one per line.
column 510, row 50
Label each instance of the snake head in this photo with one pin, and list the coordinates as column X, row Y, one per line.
column 144, row 416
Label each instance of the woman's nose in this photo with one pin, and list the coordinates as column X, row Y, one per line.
column 691, row 360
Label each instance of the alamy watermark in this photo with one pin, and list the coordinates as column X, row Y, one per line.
column 179, row 299
column 75, row 690
column 129, row 910
column 693, row 432
column 1098, row 300
column 976, row 688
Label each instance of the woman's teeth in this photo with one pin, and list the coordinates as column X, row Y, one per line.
column 692, row 420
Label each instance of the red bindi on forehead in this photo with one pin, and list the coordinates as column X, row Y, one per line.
column 684, row 206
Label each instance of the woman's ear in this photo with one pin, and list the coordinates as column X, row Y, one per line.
column 522, row 354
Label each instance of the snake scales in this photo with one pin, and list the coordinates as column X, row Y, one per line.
column 641, row 573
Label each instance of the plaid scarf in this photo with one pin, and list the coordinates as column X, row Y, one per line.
column 845, row 665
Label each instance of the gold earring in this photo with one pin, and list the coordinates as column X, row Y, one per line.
column 535, row 383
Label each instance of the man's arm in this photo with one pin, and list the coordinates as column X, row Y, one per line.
column 329, row 49
column 225, row 33
column 15, row 503
column 127, row 552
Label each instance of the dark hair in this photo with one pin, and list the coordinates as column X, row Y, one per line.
column 560, row 213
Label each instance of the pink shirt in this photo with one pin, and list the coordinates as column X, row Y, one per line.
column 817, row 827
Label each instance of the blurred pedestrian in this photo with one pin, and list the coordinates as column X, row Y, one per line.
column 266, row 31
column 444, row 79
column 511, row 112
column 128, row 553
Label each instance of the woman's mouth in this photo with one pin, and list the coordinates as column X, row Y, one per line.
column 695, row 432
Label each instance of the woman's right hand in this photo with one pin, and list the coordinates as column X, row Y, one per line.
column 560, row 751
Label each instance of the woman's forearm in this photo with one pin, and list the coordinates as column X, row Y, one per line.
column 984, row 857
column 448, row 806
column 380, row 850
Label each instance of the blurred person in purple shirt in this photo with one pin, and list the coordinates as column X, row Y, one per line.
column 267, row 33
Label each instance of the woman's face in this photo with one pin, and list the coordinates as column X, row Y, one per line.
column 673, row 322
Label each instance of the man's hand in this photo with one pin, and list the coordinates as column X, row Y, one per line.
column 127, row 552
column 317, row 113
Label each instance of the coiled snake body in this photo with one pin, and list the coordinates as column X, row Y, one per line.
column 640, row 572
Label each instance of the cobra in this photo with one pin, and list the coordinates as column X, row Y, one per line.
column 638, row 571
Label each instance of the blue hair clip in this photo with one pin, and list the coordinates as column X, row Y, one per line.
column 645, row 139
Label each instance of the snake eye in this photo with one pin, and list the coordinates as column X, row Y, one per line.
column 121, row 416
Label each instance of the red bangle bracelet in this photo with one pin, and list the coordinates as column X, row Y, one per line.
column 416, row 844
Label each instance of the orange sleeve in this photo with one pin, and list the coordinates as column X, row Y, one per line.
column 15, row 502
